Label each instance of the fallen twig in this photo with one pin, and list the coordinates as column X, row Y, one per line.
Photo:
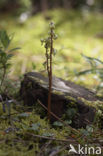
column 44, row 147
column 50, row 138
column 73, row 130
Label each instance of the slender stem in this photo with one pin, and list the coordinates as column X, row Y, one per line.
column 50, row 77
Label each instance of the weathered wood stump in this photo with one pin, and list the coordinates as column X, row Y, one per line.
column 65, row 95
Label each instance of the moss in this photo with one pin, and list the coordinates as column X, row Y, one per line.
column 29, row 85
column 71, row 98
column 57, row 92
column 72, row 103
column 15, row 139
column 37, row 80
column 96, row 104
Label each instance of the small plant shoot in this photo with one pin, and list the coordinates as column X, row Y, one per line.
column 49, row 51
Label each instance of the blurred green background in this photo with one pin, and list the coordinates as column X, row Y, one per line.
column 79, row 25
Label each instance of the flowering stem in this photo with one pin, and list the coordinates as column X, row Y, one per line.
column 48, row 44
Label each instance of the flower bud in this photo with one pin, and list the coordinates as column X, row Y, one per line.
column 54, row 52
column 55, row 36
column 42, row 40
column 52, row 25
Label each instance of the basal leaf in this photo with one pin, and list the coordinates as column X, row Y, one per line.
column 23, row 115
column 47, row 134
column 57, row 123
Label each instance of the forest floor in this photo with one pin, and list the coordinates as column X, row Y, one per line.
column 24, row 132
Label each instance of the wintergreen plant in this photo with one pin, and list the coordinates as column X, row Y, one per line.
column 5, row 56
column 49, row 51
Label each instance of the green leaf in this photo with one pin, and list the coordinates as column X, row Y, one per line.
column 14, row 49
column 44, row 64
column 8, row 65
column 88, row 71
column 71, row 112
column 4, row 38
column 85, row 132
column 23, row 115
column 94, row 62
column 33, row 65
column 54, row 52
column 9, row 56
column 92, row 59
column 2, row 53
column 68, row 122
column 58, row 124
column 47, row 134
column 1, row 66
column 89, row 128
column 35, row 127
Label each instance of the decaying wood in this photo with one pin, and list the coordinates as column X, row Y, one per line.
column 35, row 86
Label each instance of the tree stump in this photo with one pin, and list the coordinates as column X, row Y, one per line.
column 66, row 95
